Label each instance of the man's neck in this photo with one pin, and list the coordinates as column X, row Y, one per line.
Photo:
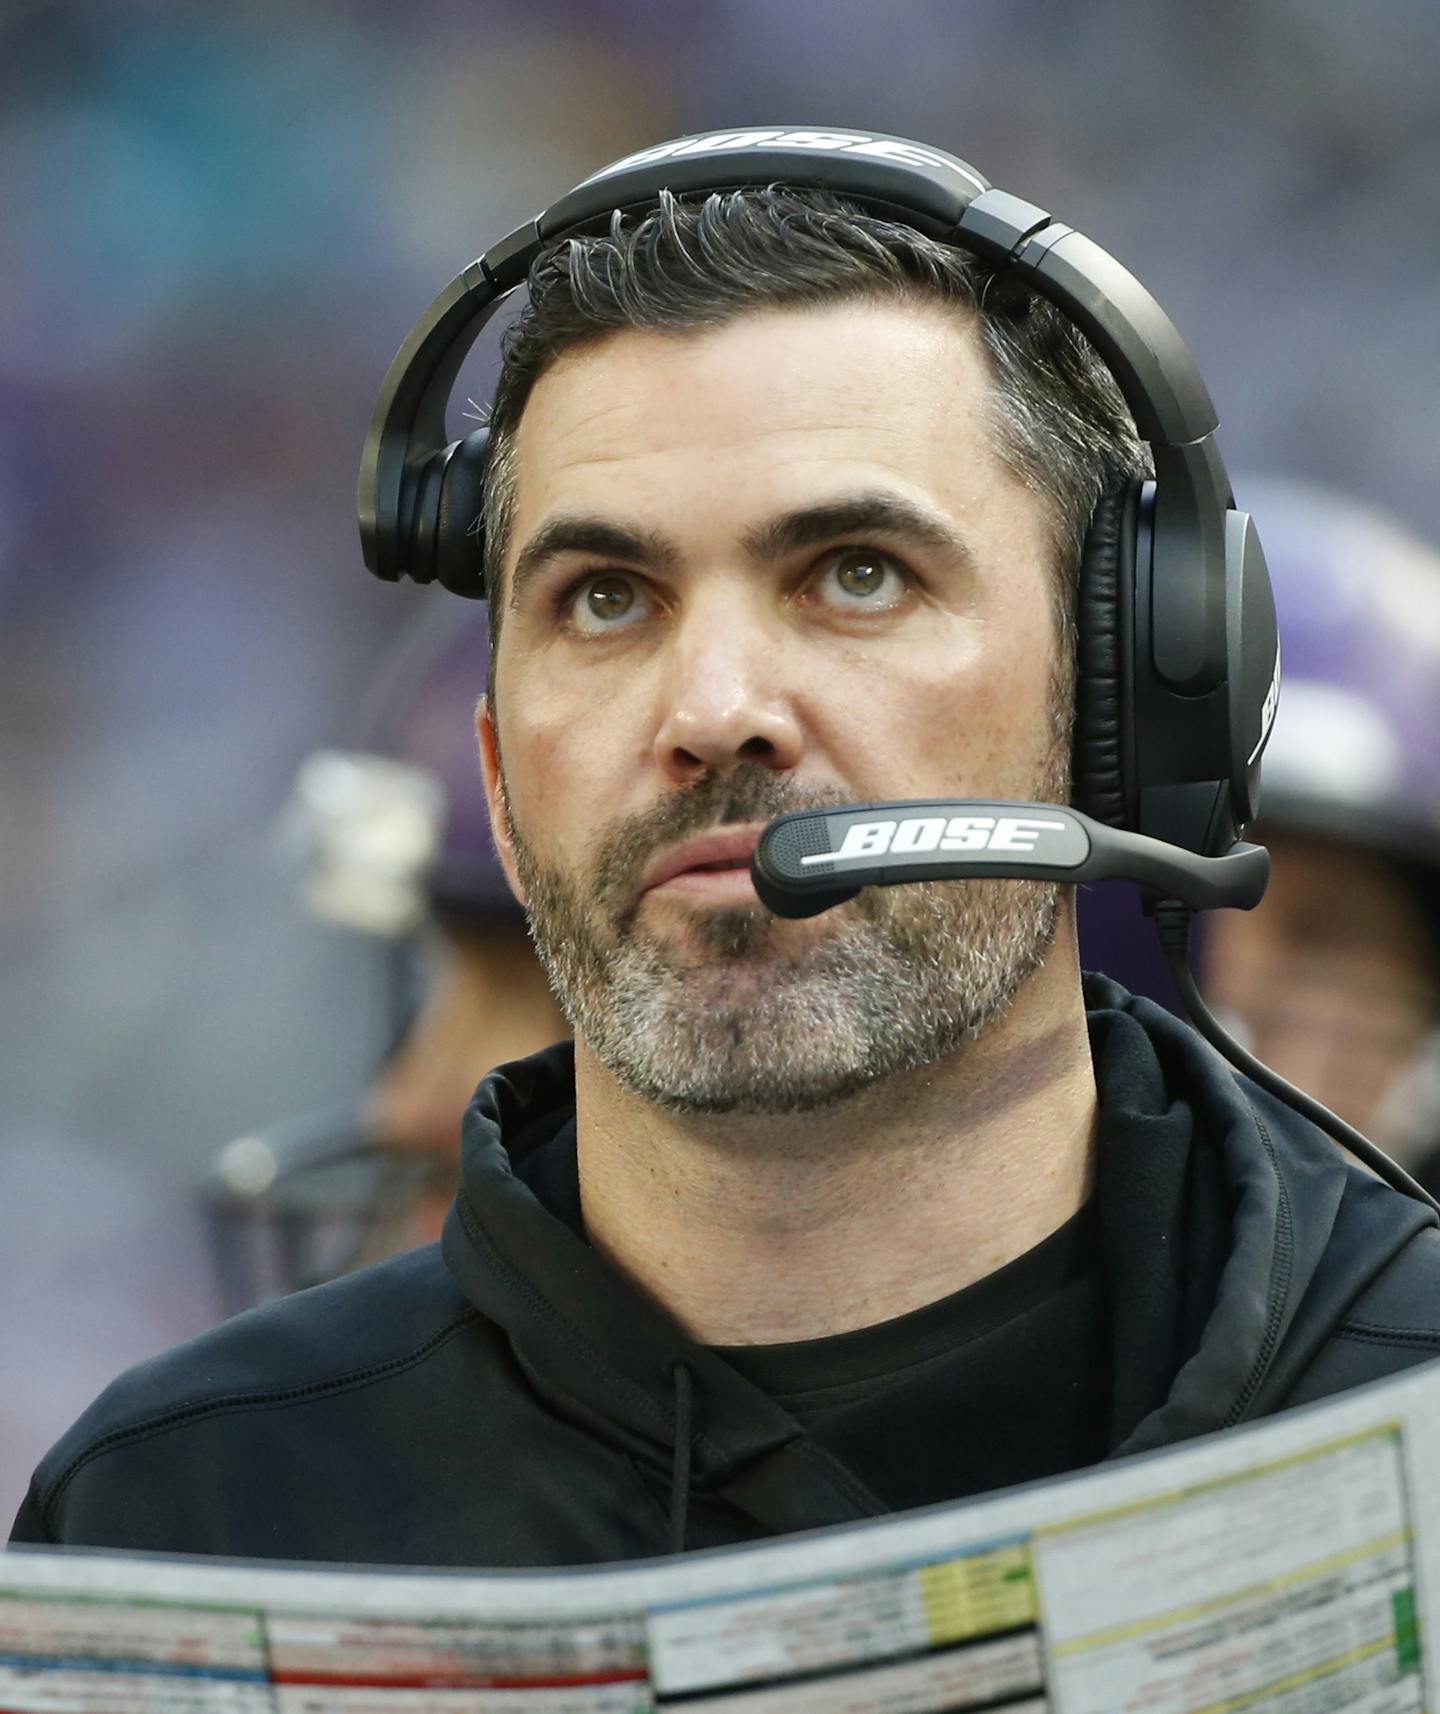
column 757, row 1230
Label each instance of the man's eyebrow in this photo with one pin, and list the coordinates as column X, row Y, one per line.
column 590, row 535
column 856, row 515
column 788, row 532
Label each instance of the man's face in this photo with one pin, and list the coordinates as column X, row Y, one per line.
column 771, row 566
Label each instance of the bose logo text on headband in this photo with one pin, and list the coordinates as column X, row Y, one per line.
column 827, row 142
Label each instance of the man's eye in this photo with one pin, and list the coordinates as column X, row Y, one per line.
column 862, row 577
column 607, row 602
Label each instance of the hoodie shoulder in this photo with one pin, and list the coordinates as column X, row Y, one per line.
column 331, row 1339
column 1365, row 1290
column 1394, row 1324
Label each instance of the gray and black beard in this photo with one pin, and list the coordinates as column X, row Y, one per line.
column 734, row 1012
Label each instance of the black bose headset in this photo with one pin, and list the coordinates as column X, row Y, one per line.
column 1178, row 658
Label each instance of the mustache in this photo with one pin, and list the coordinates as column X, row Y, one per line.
column 751, row 792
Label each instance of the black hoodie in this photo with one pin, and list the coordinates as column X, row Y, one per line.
column 506, row 1399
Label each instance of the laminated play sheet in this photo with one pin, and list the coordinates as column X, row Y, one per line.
column 1284, row 1568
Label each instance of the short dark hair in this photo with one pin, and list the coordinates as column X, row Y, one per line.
column 1060, row 423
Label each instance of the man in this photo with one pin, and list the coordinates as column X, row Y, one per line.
column 819, row 1219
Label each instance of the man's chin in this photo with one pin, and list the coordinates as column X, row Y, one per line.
column 731, row 938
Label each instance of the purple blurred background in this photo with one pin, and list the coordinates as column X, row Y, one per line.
column 216, row 225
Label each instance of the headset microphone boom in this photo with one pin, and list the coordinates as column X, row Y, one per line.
column 813, row 859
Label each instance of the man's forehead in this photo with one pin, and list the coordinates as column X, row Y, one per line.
column 854, row 380
column 767, row 346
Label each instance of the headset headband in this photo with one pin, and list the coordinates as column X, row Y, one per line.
column 408, row 446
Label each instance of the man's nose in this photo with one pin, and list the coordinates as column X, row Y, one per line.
column 724, row 696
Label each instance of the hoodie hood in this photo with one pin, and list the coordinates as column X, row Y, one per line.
column 1235, row 1236
column 1290, row 1231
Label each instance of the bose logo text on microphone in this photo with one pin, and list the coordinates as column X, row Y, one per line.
column 1017, row 833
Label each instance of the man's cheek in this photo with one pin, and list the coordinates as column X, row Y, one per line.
column 545, row 822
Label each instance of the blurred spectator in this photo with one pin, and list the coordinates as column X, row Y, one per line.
column 394, row 839
column 1334, row 979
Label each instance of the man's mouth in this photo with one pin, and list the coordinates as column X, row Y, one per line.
column 713, row 867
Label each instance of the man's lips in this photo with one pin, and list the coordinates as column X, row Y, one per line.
column 726, row 851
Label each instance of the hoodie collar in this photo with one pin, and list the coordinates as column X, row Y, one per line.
column 603, row 1354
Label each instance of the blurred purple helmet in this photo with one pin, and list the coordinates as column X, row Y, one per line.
column 425, row 715
column 1355, row 751
column 398, row 830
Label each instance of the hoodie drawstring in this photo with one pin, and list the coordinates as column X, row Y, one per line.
column 680, row 1469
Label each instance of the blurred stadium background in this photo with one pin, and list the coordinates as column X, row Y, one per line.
column 216, row 224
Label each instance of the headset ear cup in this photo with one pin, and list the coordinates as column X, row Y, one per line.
column 460, row 518
column 1104, row 610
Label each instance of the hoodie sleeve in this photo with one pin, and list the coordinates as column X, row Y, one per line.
column 29, row 1528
